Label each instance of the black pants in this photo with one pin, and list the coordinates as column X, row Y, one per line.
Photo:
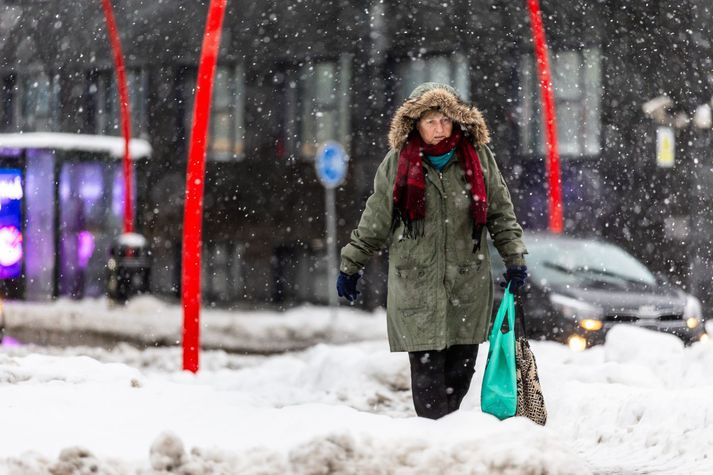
column 440, row 379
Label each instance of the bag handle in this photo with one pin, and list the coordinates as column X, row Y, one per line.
column 506, row 309
column 520, row 325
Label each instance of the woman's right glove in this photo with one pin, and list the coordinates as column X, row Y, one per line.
column 347, row 285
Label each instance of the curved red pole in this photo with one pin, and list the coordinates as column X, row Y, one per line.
column 556, row 223
column 195, row 177
column 124, row 112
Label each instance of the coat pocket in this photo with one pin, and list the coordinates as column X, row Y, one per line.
column 467, row 284
column 413, row 316
column 411, row 288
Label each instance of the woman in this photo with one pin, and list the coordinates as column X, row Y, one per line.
column 435, row 193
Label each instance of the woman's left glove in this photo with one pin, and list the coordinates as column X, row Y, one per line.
column 346, row 285
column 516, row 277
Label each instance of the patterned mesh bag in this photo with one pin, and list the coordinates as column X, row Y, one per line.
column 530, row 401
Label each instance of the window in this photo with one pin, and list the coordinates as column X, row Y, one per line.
column 226, row 137
column 107, row 100
column 7, row 103
column 39, row 104
column 447, row 69
column 222, row 271
column 324, row 104
column 577, row 85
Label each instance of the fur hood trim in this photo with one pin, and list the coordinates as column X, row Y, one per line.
column 469, row 117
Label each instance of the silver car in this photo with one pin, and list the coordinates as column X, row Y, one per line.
column 580, row 288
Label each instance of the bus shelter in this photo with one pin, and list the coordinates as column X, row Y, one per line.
column 61, row 205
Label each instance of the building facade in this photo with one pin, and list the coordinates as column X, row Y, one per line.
column 294, row 74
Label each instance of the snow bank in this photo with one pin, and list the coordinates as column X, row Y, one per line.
column 641, row 403
column 341, row 410
column 333, row 454
column 147, row 321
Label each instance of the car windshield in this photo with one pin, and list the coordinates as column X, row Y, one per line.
column 571, row 261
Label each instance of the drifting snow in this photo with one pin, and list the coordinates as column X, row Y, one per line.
column 640, row 403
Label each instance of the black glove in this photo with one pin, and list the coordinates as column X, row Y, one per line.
column 346, row 285
column 516, row 277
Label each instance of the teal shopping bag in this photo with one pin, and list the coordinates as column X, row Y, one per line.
column 498, row 395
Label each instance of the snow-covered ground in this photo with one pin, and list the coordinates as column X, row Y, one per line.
column 147, row 321
column 642, row 403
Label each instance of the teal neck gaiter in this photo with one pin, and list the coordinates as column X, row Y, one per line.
column 440, row 161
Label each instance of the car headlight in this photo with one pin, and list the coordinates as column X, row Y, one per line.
column 577, row 343
column 591, row 324
column 588, row 315
column 692, row 312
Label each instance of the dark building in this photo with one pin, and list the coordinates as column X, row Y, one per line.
column 294, row 74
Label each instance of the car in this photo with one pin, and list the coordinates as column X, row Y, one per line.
column 579, row 288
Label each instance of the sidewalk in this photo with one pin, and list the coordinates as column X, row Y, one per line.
column 146, row 321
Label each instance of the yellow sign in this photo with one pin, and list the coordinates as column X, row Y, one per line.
column 665, row 147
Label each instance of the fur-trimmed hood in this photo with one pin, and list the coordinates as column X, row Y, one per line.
column 445, row 99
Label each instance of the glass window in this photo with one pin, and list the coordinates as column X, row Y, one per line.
column 449, row 69
column 40, row 214
column 108, row 115
column 88, row 221
column 8, row 104
column 226, row 137
column 324, row 104
column 222, row 271
column 576, row 78
column 39, row 106
column 107, row 120
column 592, row 101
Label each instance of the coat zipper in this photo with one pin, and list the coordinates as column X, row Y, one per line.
column 444, row 209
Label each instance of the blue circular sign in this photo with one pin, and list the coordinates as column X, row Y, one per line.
column 331, row 164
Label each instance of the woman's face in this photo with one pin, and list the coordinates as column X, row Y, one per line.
column 434, row 126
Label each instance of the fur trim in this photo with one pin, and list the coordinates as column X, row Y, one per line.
column 406, row 116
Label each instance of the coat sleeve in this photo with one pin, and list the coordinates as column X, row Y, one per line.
column 502, row 224
column 374, row 229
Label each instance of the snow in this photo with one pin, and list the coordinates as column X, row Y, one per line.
column 132, row 240
column 148, row 321
column 138, row 148
column 640, row 403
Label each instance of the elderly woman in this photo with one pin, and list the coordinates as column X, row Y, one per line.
column 435, row 194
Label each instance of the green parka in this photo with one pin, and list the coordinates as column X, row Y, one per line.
column 440, row 293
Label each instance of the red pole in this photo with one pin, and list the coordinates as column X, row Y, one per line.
column 556, row 224
column 195, row 177
column 124, row 112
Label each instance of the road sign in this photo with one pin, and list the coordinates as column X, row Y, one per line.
column 665, row 147
column 331, row 164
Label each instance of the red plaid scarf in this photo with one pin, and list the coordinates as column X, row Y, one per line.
column 410, row 184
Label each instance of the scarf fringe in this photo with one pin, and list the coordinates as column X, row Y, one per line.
column 410, row 184
column 412, row 229
column 416, row 229
column 477, row 236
